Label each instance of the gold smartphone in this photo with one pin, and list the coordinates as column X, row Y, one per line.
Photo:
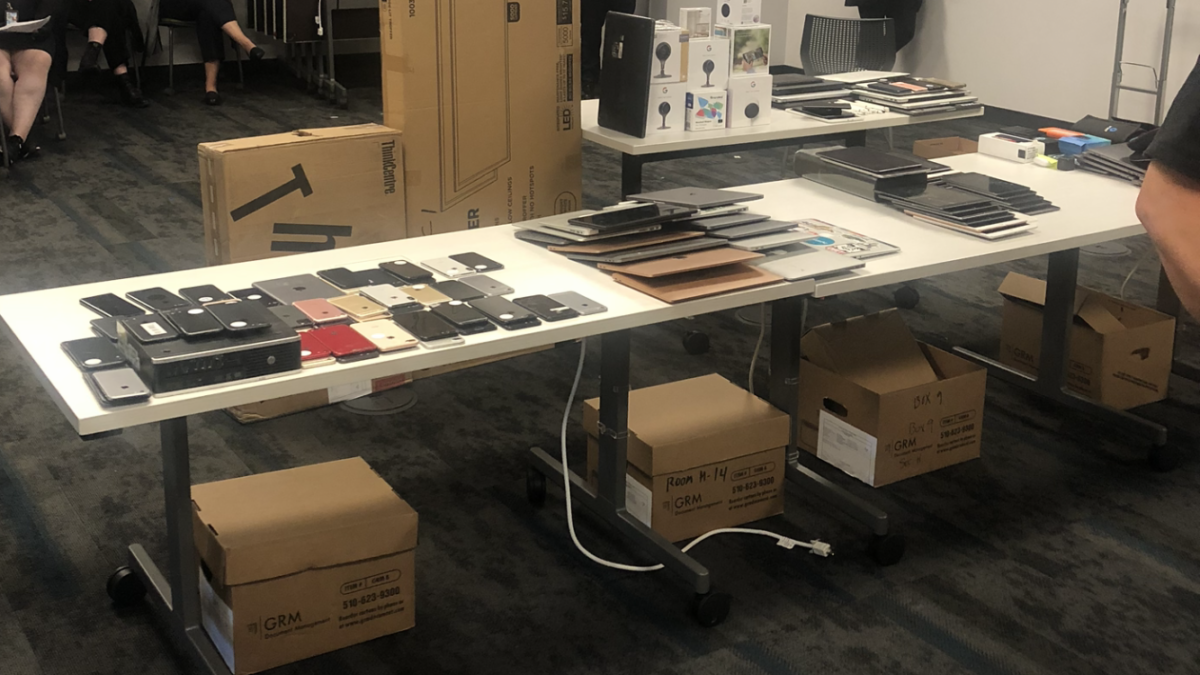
column 386, row 335
column 358, row 307
column 426, row 294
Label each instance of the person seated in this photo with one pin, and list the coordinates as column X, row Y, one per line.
column 214, row 18
column 111, row 25
column 25, row 60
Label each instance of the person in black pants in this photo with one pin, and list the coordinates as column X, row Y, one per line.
column 214, row 19
column 903, row 12
column 592, row 24
column 25, row 60
column 111, row 25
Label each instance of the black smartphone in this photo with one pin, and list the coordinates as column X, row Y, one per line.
column 110, row 305
column 343, row 278
column 546, row 307
column 202, row 295
column 426, row 326
column 409, row 273
column 106, row 327
column 477, row 262
column 503, row 311
column 193, row 321
column 117, row 386
column 457, row 290
column 255, row 295
column 242, row 316
column 93, row 353
column 465, row 318
column 157, row 299
column 292, row 316
column 148, row 328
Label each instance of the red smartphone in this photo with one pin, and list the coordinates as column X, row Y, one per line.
column 313, row 352
column 321, row 311
column 346, row 343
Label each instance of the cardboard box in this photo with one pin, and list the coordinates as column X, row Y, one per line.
column 1120, row 354
column 883, row 407
column 708, row 63
column 487, row 95
column 301, row 562
column 666, row 109
column 307, row 190
column 749, row 49
column 697, row 21
column 735, row 12
column 703, row 454
column 934, row 148
column 749, row 103
column 705, row 109
column 668, row 63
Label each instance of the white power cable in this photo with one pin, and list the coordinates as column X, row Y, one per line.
column 816, row 547
column 762, row 331
column 1129, row 276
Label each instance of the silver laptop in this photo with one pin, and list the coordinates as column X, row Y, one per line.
column 801, row 261
column 770, row 241
column 700, row 198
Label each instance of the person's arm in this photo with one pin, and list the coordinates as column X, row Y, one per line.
column 1169, row 208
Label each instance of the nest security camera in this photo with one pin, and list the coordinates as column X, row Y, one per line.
column 664, row 109
column 662, row 52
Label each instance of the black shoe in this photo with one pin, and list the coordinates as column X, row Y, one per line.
column 130, row 94
column 257, row 54
column 213, row 98
column 90, row 58
column 20, row 149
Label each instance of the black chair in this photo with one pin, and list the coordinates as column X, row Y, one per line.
column 153, row 23
column 831, row 45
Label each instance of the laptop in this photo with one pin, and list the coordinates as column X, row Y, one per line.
column 699, row 198
column 801, row 261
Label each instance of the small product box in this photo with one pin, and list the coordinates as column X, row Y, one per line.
column 936, row 148
column 668, row 64
column 666, row 108
column 708, row 63
column 883, row 407
column 696, row 21
column 703, row 454
column 738, row 12
column 705, row 109
column 749, row 103
column 749, row 48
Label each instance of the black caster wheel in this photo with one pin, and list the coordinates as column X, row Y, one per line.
column 712, row 608
column 695, row 342
column 886, row 550
column 125, row 587
column 535, row 487
column 907, row 297
column 1165, row 457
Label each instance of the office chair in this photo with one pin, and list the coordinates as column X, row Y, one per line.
column 153, row 23
column 832, row 45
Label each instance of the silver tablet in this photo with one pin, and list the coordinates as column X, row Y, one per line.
column 289, row 290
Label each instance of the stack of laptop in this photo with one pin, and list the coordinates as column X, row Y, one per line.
column 863, row 171
column 1116, row 161
column 917, row 96
column 959, row 210
column 582, row 227
column 1013, row 196
column 792, row 89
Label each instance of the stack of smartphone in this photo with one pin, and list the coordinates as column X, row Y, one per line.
column 917, row 95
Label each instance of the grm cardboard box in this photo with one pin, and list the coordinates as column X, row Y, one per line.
column 306, row 190
column 703, row 454
column 487, row 95
column 934, row 148
column 301, row 562
column 883, row 407
column 1120, row 354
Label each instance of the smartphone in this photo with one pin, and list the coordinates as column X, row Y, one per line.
column 465, row 318
column 486, row 285
column 110, row 305
column 320, row 311
column 477, row 262
column 147, row 328
column 407, row 272
column 429, row 327
column 359, row 308
column 313, row 352
column 392, row 297
column 202, row 295
column 342, row 278
column 290, row 290
column 117, row 386
column 157, row 299
column 242, row 316
column 509, row 315
column 385, row 335
column 580, row 303
column 255, row 295
column 457, row 290
column 106, row 327
column 448, row 267
column 193, row 321
column 346, row 344
column 546, row 308
column 294, row 318
column 425, row 295
column 93, row 353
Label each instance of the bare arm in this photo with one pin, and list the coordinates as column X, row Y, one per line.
column 1169, row 208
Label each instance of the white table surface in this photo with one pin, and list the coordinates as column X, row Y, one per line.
column 39, row 321
column 783, row 125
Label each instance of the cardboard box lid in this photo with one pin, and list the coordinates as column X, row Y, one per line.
column 274, row 524
column 876, row 351
column 695, row 422
column 1089, row 305
column 299, row 136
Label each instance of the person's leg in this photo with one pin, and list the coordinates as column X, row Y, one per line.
column 906, row 22
column 6, row 89
column 211, row 70
column 32, row 67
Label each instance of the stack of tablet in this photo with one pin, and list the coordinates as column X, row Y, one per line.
column 957, row 210
column 789, row 89
column 862, row 171
column 917, row 96
column 1116, row 161
column 1013, row 196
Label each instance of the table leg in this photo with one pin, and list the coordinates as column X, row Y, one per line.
column 856, row 139
column 1168, row 303
column 631, row 175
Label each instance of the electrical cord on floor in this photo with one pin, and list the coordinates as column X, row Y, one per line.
column 762, row 332
column 816, row 547
column 1129, row 276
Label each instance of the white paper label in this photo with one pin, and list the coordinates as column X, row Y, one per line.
column 217, row 618
column 847, row 447
column 347, row 392
column 638, row 500
column 153, row 328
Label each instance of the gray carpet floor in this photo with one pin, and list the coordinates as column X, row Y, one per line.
column 1057, row 553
